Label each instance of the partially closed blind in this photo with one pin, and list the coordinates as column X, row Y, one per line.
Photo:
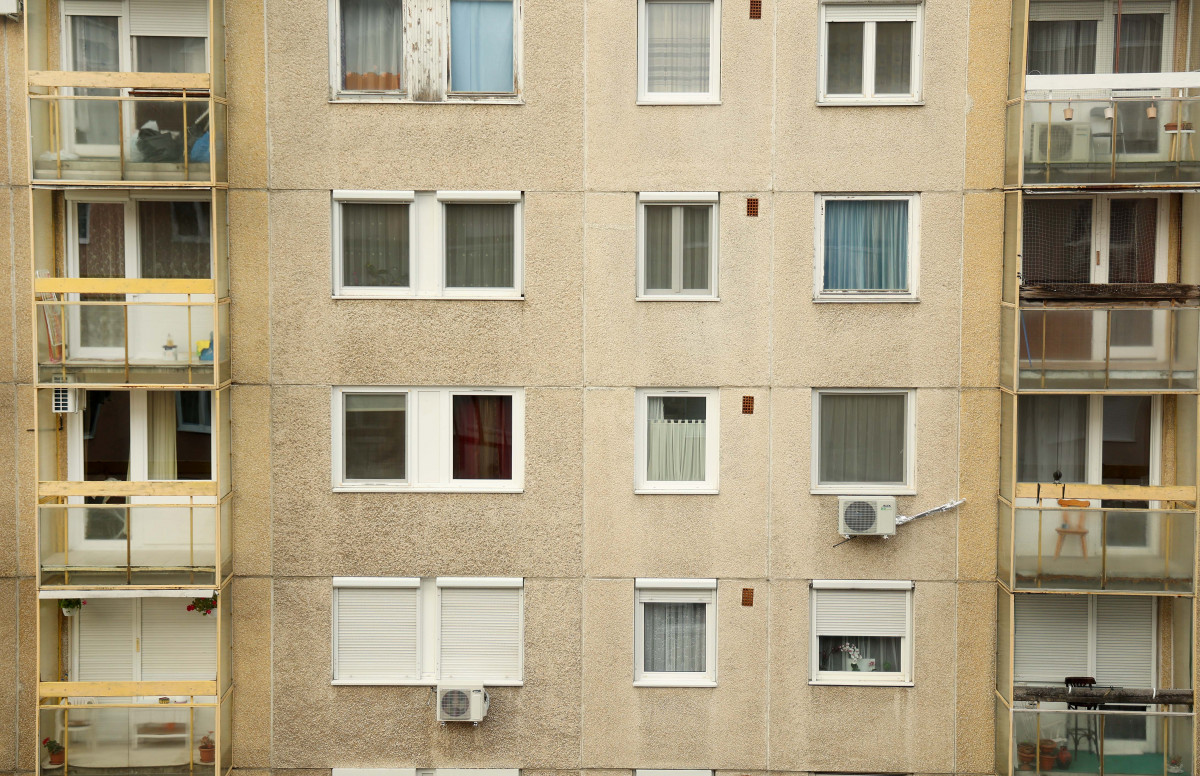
column 861, row 612
column 105, row 640
column 375, row 634
column 481, row 633
column 178, row 18
column 1051, row 638
column 1125, row 641
column 177, row 645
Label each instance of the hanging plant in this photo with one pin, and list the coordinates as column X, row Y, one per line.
column 70, row 606
column 203, row 605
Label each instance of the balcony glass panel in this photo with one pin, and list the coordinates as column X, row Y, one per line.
column 1105, row 743
column 1004, row 544
column 1004, row 641
column 1094, row 549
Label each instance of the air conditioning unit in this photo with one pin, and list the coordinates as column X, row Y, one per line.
column 866, row 516
column 462, row 702
column 64, row 400
column 1060, row 143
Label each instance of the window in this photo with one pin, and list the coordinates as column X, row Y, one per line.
column 142, row 639
column 1110, row 638
column 677, row 246
column 678, row 440
column 1094, row 239
column 679, row 52
column 1105, row 36
column 445, row 244
column 473, row 53
column 862, row 632
column 460, row 439
column 406, row 630
column 866, row 248
column 871, row 53
column 675, row 632
column 863, row 441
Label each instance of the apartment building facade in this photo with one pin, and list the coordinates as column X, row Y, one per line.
column 532, row 349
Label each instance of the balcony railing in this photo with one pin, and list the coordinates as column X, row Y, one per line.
column 1106, row 742
column 1125, row 550
column 106, row 544
column 144, row 342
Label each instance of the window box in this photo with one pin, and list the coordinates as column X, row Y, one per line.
column 679, row 52
column 863, row 441
column 862, row 632
column 675, row 633
column 867, row 248
column 870, row 53
column 678, row 440
column 677, row 246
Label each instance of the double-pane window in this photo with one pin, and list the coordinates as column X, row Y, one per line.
column 863, row 441
column 871, row 52
column 679, row 51
column 675, row 632
column 678, row 245
column 862, row 632
column 866, row 247
column 678, row 440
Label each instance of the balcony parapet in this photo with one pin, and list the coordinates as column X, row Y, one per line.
column 1082, row 695
column 75, row 79
column 1110, row 292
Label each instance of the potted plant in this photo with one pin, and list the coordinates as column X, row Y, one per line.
column 57, row 751
column 1175, row 764
column 70, row 606
column 208, row 750
column 203, row 605
column 853, row 654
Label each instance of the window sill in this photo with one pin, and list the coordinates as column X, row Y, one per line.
column 410, row 297
column 862, row 490
column 675, row 298
column 676, row 491
column 674, row 683
column 848, row 682
column 414, row 489
column 649, row 101
column 421, row 682
column 867, row 102
column 866, row 298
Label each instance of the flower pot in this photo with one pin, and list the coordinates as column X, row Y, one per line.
column 70, row 612
column 1026, row 754
column 1046, row 762
column 57, row 758
column 208, row 754
column 1064, row 756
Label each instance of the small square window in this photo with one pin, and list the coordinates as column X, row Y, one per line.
column 679, row 51
column 863, row 441
column 675, row 632
column 677, row 246
column 871, row 53
column 678, row 441
column 866, row 248
column 861, row 632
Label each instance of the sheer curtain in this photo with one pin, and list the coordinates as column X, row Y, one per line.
column 696, row 248
column 866, row 245
column 694, row 252
column 1138, row 43
column 658, row 247
column 676, row 438
column 893, row 57
column 844, row 58
column 481, row 46
column 375, row 436
column 161, row 428
column 479, row 246
column 1133, row 232
column 175, row 239
column 374, row 244
column 1066, row 47
column 482, row 437
column 674, row 637
column 863, row 437
column 95, row 47
column 372, row 44
column 678, row 39
column 1052, row 436
column 884, row 650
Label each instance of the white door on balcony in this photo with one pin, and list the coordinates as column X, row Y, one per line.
column 142, row 639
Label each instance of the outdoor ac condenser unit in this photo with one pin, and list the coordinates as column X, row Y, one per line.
column 462, row 702
column 1060, row 143
column 866, row 516
column 64, row 400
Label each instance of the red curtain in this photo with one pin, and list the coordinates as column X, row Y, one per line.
column 483, row 437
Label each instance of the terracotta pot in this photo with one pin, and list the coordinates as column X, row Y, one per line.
column 1026, row 754
column 208, row 754
column 57, row 758
column 1064, row 756
column 1046, row 761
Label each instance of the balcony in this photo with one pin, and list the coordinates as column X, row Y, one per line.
column 1115, row 550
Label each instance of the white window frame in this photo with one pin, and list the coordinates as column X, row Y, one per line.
column 870, row 14
column 853, row 488
column 428, row 625
column 903, row 678
column 421, row 69
column 700, row 591
column 436, row 456
column 710, row 198
column 427, row 244
column 909, row 294
column 712, row 96
column 712, row 445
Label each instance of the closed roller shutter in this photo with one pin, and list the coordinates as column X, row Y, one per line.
column 1125, row 641
column 861, row 612
column 481, row 633
column 376, row 634
column 177, row 645
column 180, row 18
column 105, row 641
column 1051, row 638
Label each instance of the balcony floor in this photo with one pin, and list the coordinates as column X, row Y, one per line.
column 1085, row 762
column 108, row 759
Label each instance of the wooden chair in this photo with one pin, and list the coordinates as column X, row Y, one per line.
column 1072, row 528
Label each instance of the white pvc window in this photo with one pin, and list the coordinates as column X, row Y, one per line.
column 679, row 52
column 409, row 630
column 678, row 440
column 867, row 247
column 863, row 441
column 862, row 632
column 675, row 632
column 870, row 53
column 677, row 245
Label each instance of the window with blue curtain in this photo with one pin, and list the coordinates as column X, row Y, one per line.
column 866, row 245
column 481, row 46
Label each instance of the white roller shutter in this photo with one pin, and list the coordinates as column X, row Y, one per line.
column 861, row 612
column 1125, row 641
column 896, row 12
column 177, row 645
column 1051, row 638
column 480, row 633
column 178, row 18
column 375, row 634
column 93, row 7
column 105, row 641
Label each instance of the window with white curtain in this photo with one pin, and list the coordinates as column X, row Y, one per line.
column 675, row 632
column 678, row 440
column 1103, row 36
column 677, row 245
column 411, row 630
column 429, row 244
column 871, row 52
column 679, row 51
column 862, row 632
column 468, row 439
column 867, row 247
column 474, row 53
column 863, row 441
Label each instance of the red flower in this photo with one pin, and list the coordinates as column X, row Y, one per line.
column 45, row 740
column 84, row 603
column 191, row 608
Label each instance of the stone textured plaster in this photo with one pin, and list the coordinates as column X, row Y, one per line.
column 821, row 728
column 663, row 535
column 530, row 534
column 246, row 60
column 22, row 319
column 975, row 696
column 8, row 674
column 8, row 299
column 982, row 270
column 987, row 89
column 316, row 339
column 674, row 727
column 249, row 286
column 251, row 465
column 979, row 471
column 28, row 747
column 252, row 673
column 10, row 434
column 804, row 526
column 534, row 726
column 26, row 483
